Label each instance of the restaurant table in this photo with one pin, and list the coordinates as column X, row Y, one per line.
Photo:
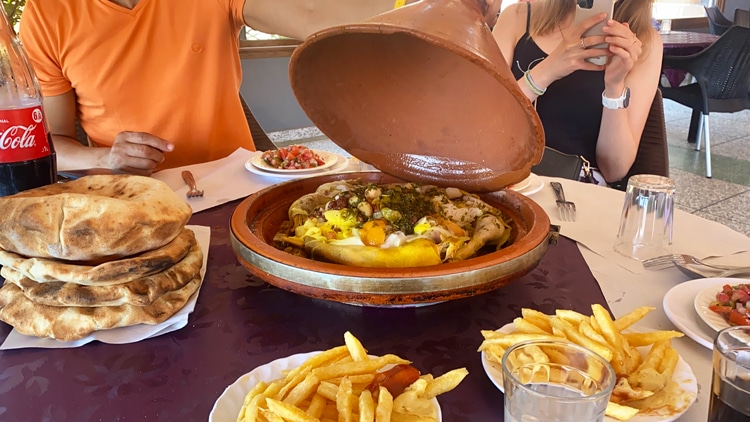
column 240, row 322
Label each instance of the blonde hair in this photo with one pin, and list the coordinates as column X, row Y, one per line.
column 549, row 13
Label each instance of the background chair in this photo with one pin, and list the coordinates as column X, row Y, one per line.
column 722, row 75
column 717, row 22
column 653, row 154
column 260, row 137
column 742, row 17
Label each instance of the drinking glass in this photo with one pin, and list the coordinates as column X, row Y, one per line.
column 555, row 381
column 646, row 220
column 730, row 385
column 666, row 26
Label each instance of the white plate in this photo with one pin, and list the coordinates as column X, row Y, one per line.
column 523, row 184
column 535, row 185
column 329, row 159
column 683, row 375
column 341, row 163
column 679, row 306
column 711, row 318
column 229, row 403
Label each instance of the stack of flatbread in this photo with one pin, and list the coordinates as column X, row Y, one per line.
column 96, row 253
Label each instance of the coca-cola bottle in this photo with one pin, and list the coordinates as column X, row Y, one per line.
column 27, row 156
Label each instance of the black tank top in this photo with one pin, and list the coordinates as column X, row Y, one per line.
column 571, row 109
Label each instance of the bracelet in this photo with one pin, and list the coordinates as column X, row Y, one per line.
column 399, row 3
column 532, row 85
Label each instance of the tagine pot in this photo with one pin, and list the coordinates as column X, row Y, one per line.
column 421, row 92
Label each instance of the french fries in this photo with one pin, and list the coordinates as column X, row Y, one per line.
column 641, row 380
column 345, row 384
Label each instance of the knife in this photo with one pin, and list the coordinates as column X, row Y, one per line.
column 76, row 174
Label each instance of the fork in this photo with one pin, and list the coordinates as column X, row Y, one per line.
column 684, row 259
column 567, row 209
column 187, row 176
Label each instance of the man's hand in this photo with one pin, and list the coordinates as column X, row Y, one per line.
column 137, row 152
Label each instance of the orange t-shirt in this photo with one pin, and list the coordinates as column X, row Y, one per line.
column 167, row 67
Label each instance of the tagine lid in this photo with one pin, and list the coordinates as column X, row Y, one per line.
column 423, row 93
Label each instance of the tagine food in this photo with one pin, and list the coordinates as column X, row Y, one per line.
column 733, row 303
column 344, row 383
column 645, row 383
column 121, row 256
column 391, row 225
column 292, row 157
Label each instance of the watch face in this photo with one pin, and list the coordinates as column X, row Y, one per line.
column 626, row 100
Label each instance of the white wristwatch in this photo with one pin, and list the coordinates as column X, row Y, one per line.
column 615, row 103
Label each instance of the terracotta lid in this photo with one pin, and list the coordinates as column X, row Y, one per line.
column 423, row 93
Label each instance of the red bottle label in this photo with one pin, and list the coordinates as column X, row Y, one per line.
column 23, row 135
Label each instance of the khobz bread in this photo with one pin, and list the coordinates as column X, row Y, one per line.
column 93, row 218
column 140, row 292
column 68, row 323
column 46, row 270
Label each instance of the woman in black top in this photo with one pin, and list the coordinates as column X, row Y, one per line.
column 583, row 106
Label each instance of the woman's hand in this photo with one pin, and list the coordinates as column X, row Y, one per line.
column 626, row 48
column 571, row 53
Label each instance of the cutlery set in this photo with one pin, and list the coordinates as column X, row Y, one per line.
column 694, row 267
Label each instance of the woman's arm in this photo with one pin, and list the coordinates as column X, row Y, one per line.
column 620, row 131
column 567, row 57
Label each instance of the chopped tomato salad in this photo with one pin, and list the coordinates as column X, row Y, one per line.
column 292, row 157
column 733, row 302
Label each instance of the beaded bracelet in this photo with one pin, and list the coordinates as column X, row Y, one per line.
column 532, row 85
column 399, row 3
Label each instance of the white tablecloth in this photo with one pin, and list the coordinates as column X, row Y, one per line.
column 624, row 284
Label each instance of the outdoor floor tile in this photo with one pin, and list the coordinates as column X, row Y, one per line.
column 697, row 192
column 738, row 148
column 728, row 169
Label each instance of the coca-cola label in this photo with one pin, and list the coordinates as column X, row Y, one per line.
column 23, row 135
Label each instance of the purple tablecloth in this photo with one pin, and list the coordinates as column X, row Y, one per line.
column 241, row 322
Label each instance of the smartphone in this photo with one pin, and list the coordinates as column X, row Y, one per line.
column 588, row 8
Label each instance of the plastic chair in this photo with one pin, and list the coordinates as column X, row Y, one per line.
column 742, row 17
column 653, row 153
column 722, row 75
column 717, row 22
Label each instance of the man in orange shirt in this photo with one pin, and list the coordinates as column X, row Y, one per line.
column 155, row 83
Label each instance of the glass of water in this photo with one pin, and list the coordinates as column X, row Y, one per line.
column 555, row 381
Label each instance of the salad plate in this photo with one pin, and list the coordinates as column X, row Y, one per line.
column 341, row 163
column 329, row 160
column 703, row 302
column 679, row 306
column 683, row 375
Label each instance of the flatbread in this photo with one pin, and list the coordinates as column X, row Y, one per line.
column 141, row 292
column 74, row 323
column 91, row 218
column 47, row 270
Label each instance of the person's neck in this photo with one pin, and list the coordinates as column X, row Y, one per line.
column 126, row 3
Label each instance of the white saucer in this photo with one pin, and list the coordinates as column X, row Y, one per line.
column 534, row 185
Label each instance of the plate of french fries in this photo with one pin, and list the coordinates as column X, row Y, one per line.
column 343, row 383
column 653, row 382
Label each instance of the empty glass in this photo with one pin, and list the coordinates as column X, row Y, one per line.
column 730, row 387
column 555, row 381
column 646, row 220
